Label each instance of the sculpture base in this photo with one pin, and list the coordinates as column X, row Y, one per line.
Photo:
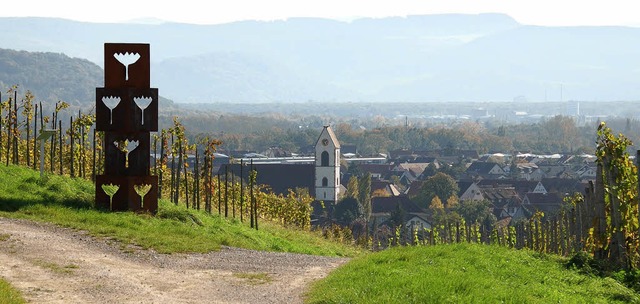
column 126, row 198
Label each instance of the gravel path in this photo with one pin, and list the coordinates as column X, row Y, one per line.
column 50, row 264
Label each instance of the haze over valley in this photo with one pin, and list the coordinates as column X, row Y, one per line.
column 428, row 58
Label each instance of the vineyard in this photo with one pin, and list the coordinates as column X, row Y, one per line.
column 603, row 221
column 77, row 151
column 599, row 227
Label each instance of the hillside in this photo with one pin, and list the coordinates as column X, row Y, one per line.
column 50, row 76
column 68, row 202
column 464, row 273
column 417, row 58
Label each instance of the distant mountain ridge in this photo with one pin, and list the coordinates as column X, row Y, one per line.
column 485, row 57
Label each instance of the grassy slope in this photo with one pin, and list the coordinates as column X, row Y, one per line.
column 8, row 295
column 67, row 202
column 463, row 273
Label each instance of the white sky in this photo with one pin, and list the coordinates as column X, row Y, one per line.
column 534, row 12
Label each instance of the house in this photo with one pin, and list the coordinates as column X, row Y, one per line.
column 401, row 154
column 485, row 169
column 416, row 222
column 451, row 155
column 349, row 150
column 382, row 209
column 552, row 171
column 278, row 177
column 522, row 187
column 384, row 188
column 500, row 197
column 276, row 152
column 586, row 172
column 513, row 210
column 469, row 190
column 566, row 186
column 548, row 203
column 528, row 171
column 414, row 188
column 410, row 172
column 377, row 171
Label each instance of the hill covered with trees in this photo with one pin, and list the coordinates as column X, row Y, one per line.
column 50, row 76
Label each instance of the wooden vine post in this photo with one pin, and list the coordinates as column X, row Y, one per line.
column 619, row 177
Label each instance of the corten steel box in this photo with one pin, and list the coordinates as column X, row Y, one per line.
column 115, row 72
column 126, row 198
column 139, row 158
column 120, row 115
column 127, row 115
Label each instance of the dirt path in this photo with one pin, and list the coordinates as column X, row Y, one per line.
column 57, row 265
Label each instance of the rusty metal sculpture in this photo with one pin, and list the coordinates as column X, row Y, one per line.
column 127, row 111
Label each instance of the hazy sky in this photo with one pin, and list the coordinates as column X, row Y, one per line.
column 538, row 12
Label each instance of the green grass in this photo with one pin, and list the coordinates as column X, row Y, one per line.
column 254, row 278
column 66, row 269
column 68, row 202
column 463, row 273
column 8, row 294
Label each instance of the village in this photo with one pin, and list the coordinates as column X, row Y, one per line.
column 515, row 186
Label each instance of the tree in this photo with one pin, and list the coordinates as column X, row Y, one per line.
column 440, row 185
column 477, row 212
column 454, row 170
column 353, row 169
column 430, row 170
column 353, row 190
column 347, row 210
column 380, row 193
column 365, row 195
column 437, row 210
column 452, row 202
column 396, row 218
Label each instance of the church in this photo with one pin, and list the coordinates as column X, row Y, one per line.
column 321, row 177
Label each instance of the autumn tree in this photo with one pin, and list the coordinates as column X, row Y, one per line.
column 353, row 189
column 437, row 210
column 440, row 185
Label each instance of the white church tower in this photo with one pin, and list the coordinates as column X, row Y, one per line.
column 327, row 181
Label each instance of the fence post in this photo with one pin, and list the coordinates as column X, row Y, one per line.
column 93, row 163
column 219, row 195
column 241, row 189
column 600, row 218
column 226, row 191
column 253, row 198
column 71, row 131
column 196, row 199
column 60, row 144
column 617, row 245
column 9, row 133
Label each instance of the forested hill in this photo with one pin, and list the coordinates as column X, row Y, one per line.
column 50, row 76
